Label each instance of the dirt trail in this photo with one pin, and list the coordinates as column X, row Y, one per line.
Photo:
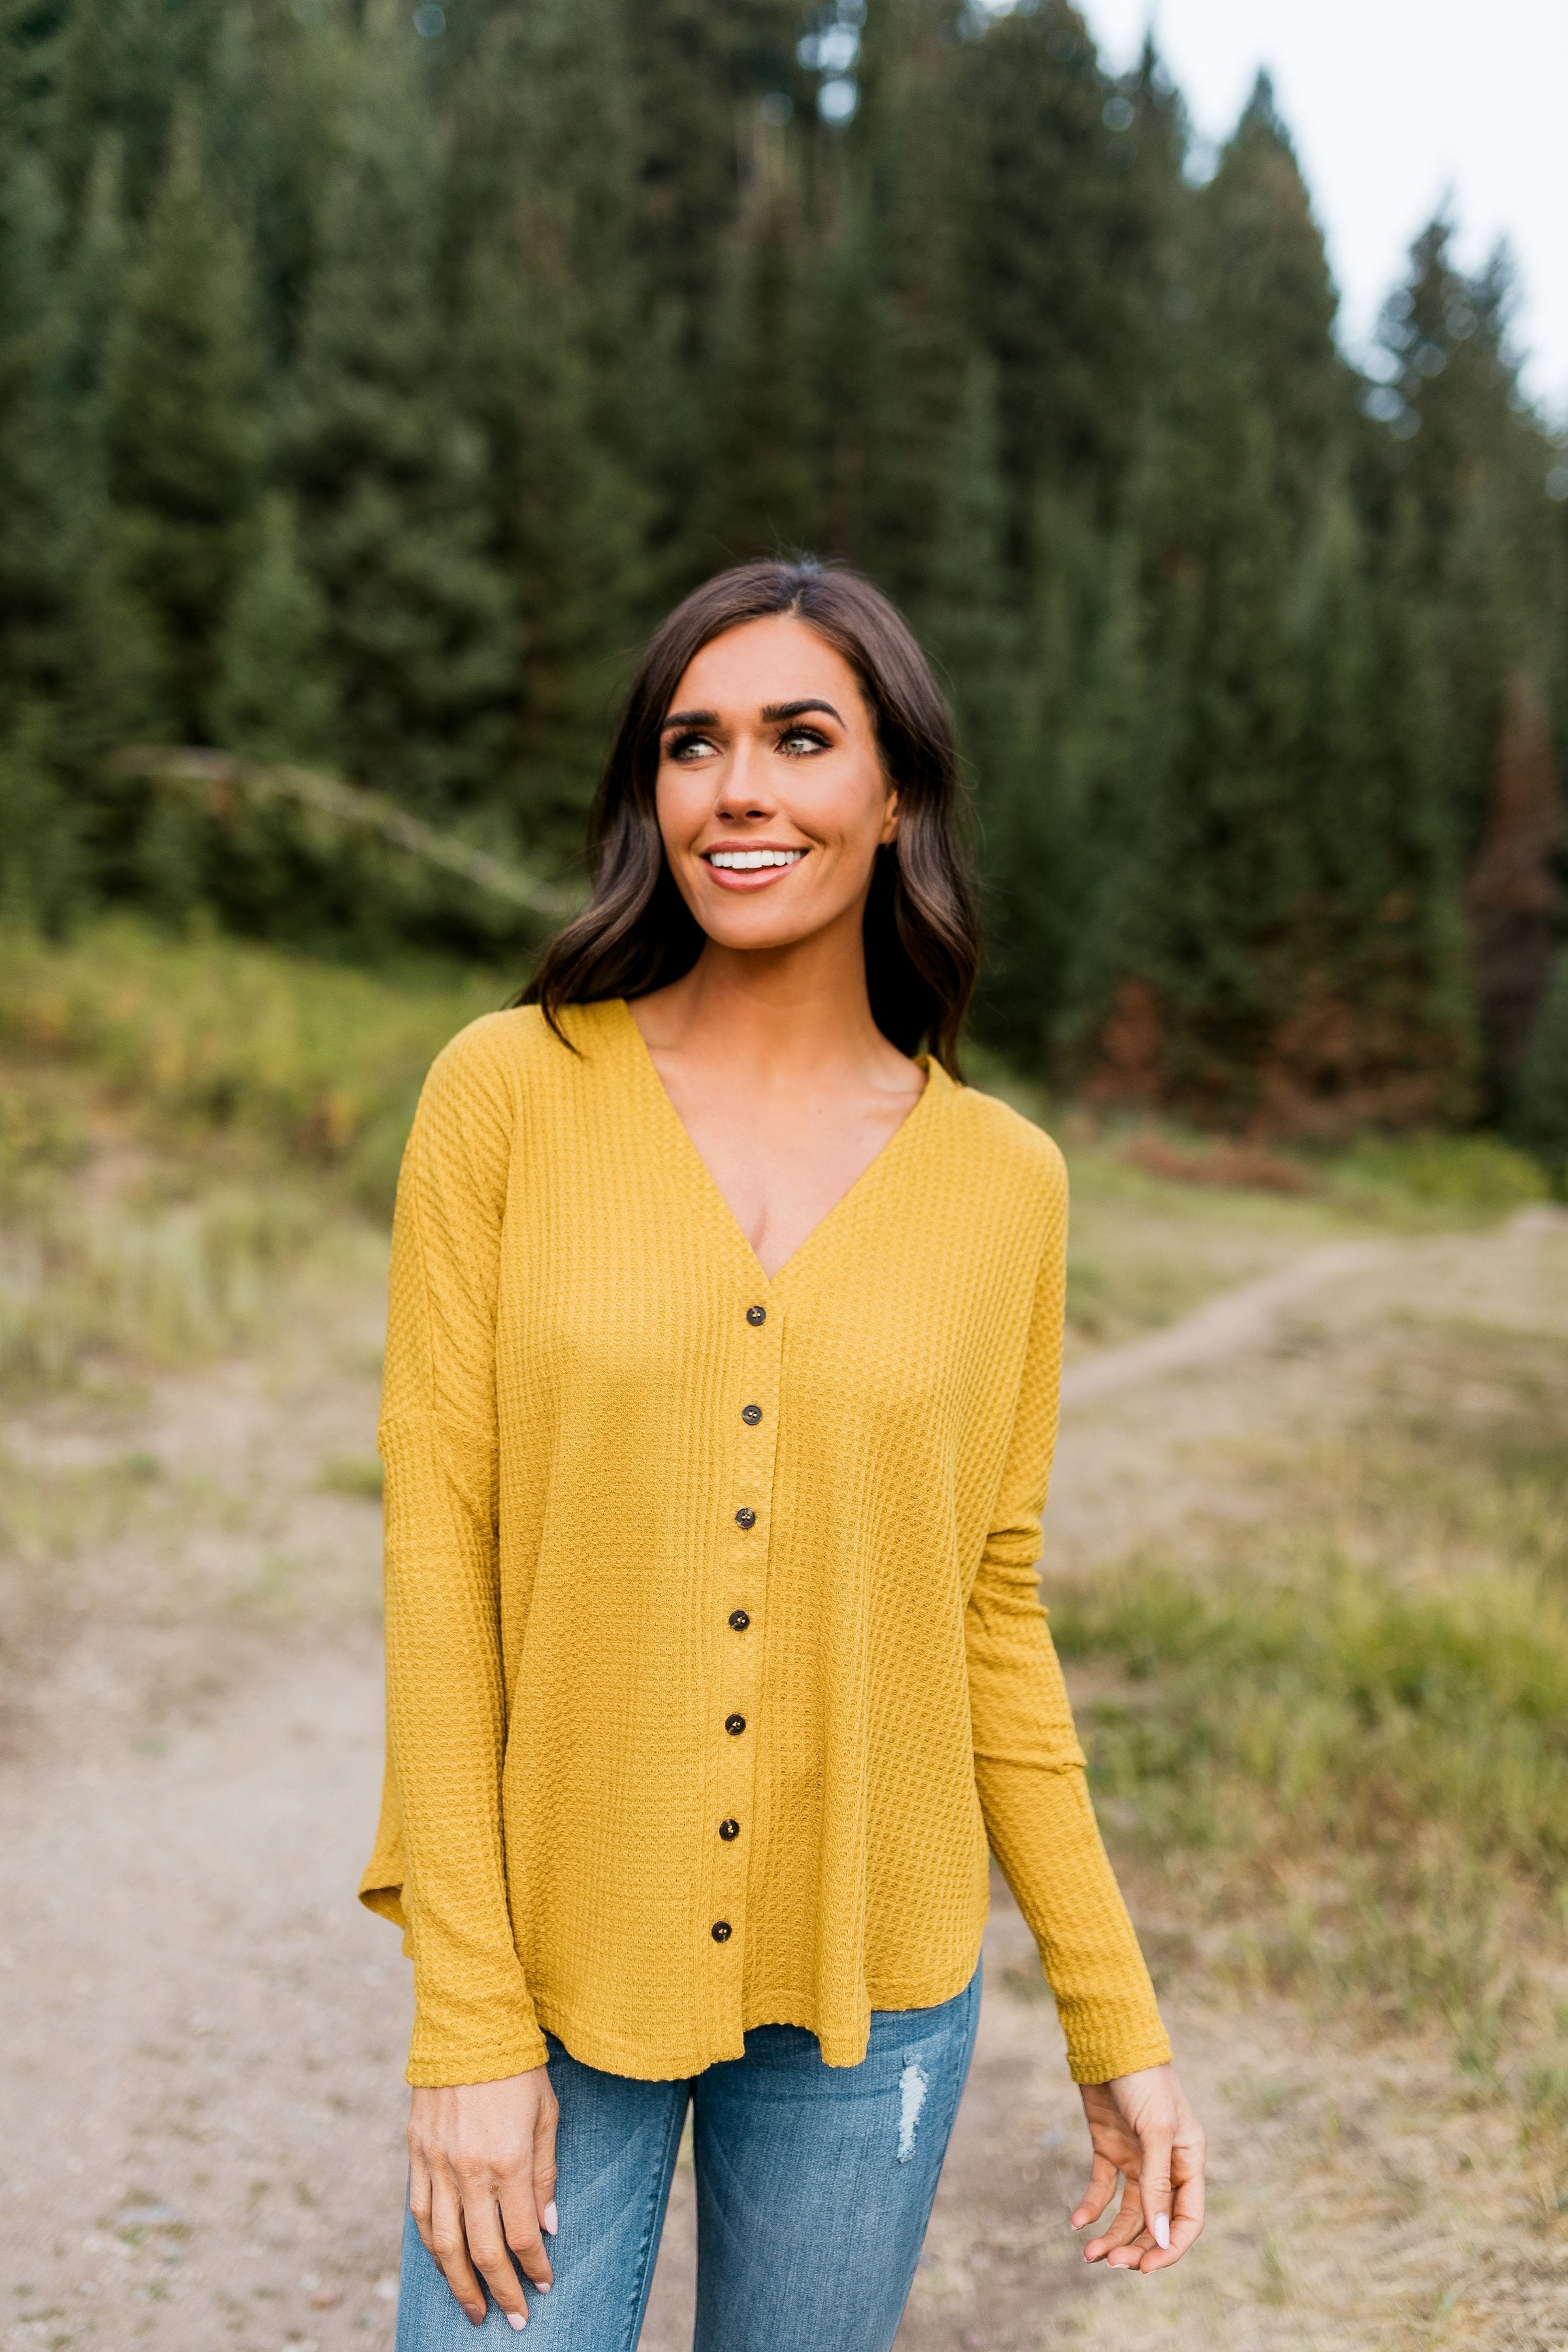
column 201, row 2034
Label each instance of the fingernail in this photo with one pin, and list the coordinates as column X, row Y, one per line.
column 551, row 2218
column 516, row 2319
column 1161, row 2229
column 542, row 2286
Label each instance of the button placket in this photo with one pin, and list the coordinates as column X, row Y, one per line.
column 740, row 1610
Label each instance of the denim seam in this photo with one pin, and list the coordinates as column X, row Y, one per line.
column 652, row 2226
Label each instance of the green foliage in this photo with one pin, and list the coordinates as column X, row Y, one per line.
column 389, row 474
column 42, row 868
column 273, row 699
column 547, row 368
column 1464, row 1175
column 182, row 433
column 315, row 1059
column 1540, row 1101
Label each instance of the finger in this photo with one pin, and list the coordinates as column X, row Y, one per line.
column 488, row 2252
column 419, row 2199
column 1186, row 2224
column 545, row 2125
column 1154, row 2187
column 1104, row 2176
column 450, row 2245
column 520, row 2218
column 1124, row 2231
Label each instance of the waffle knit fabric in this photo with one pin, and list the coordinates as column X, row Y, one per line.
column 670, row 1546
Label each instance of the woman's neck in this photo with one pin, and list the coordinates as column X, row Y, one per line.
column 777, row 1016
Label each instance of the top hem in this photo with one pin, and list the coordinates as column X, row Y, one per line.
column 610, row 2054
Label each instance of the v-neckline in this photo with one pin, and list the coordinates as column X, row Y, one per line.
column 935, row 1078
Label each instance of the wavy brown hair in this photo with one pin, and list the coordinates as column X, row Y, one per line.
column 922, row 922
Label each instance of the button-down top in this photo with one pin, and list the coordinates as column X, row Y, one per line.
column 701, row 1717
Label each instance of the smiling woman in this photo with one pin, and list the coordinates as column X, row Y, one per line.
column 644, row 924
column 722, row 1377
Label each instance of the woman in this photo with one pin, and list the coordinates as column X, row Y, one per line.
column 720, row 1390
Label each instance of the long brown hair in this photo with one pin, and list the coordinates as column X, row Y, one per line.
column 921, row 923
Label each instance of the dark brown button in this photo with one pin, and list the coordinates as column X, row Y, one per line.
column 739, row 1620
column 720, row 1931
column 729, row 1829
column 751, row 1412
column 735, row 1724
column 745, row 1517
column 756, row 1315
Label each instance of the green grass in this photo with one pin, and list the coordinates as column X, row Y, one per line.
column 320, row 1062
column 1341, row 1738
column 1148, row 1244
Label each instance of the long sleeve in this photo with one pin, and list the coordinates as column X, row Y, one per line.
column 474, row 2019
column 1029, row 1766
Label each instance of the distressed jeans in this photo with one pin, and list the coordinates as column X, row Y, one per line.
column 813, row 2186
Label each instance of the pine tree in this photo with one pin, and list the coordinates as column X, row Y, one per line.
column 696, row 69
column 762, row 490
column 1468, row 460
column 1198, row 968
column 1263, row 285
column 273, row 697
column 114, row 689
column 968, row 612
column 896, row 350
column 1060, row 806
column 390, row 477
column 182, row 431
column 127, row 68
column 40, row 511
column 1382, row 1031
column 1066, row 192
column 565, row 531
column 552, row 368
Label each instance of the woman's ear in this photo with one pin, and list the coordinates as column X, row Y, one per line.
column 889, row 819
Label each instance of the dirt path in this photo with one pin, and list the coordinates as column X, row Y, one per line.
column 201, row 2034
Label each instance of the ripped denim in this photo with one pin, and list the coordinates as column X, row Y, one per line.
column 813, row 2186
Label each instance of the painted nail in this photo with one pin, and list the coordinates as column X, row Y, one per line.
column 542, row 2286
column 516, row 2319
column 551, row 2218
column 1161, row 2229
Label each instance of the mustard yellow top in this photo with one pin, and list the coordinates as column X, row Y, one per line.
column 714, row 1651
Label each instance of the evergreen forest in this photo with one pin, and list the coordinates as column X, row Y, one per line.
column 372, row 376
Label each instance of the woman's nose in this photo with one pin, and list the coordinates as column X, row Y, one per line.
column 743, row 786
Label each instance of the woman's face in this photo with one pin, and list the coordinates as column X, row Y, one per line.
column 772, row 799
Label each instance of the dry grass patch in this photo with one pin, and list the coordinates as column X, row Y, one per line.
column 1337, row 1740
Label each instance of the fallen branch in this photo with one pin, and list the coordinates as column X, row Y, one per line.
column 220, row 774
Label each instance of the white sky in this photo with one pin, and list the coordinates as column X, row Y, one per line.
column 1391, row 103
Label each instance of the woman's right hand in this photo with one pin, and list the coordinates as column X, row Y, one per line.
column 481, row 2181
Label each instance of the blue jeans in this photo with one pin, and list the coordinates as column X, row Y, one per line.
column 813, row 2186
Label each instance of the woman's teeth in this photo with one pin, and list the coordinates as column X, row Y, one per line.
column 743, row 860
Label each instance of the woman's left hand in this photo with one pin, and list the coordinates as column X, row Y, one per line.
column 1143, row 2128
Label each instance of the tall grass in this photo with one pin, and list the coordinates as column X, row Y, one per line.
column 1349, row 1781
column 321, row 1061
column 158, row 1281
column 122, row 1234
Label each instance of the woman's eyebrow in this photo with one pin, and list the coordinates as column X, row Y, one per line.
column 772, row 712
column 776, row 710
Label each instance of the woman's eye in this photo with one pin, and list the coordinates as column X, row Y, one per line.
column 801, row 740
column 692, row 747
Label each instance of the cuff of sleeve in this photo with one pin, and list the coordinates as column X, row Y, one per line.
column 1102, row 2061
column 441, row 2070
